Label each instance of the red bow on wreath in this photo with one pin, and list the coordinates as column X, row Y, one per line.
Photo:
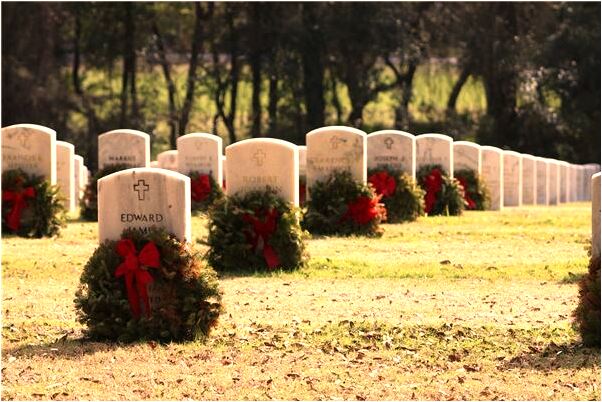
column 201, row 188
column 363, row 209
column 469, row 201
column 137, row 277
column 19, row 200
column 262, row 231
column 433, row 183
column 383, row 183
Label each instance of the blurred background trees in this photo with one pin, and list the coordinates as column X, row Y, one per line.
column 524, row 76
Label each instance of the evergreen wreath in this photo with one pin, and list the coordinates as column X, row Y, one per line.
column 89, row 202
column 204, row 191
column 258, row 231
column 476, row 195
column 444, row 195
column 342, row 206
column 115, row 302
column 31, row 206
column 402, row 197
column 587, row 314
column 302, row 190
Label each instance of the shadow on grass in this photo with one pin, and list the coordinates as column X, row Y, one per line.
column 572, row 278
column 554, row 356
column 68, row 348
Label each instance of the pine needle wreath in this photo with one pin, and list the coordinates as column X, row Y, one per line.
column 444, row 195
column 402, row 197
column 89, row 203
column 204, row 191
column 342, row 206
column 257, row 231
column 587, row 313
column 190, row 299
column 476, row 195
column 31, row 207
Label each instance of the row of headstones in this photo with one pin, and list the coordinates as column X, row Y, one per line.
column 257, row 163
column 36, row 151
column 513, row 178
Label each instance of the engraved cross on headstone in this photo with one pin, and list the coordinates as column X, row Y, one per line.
column 141, row 188
column 334, row 142
column 259, row 157
column 389, row 142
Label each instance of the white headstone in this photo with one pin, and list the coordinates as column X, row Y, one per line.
column 154, row 164
column 435, row 149
column 595, row 183
column 335, row 148
column 65, row 172
column 543, row 184
column 31, row 148
column 564, row 180
column 553, row 182
column 141, row 198
column 130, row 147
column 394, row 149
column 467, row 155
column 581, row 182
column 168, row 160
column 302, row 160
column 201, row 152
column 257, row 163
column 79, row 178
column 573, row 182
column 492, row 166
column 529, row 178
column 590, row 170
column 513, row 179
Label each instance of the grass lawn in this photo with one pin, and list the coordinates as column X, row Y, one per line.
column 471, row 307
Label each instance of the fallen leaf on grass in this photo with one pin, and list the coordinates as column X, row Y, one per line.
column 445, row 262
column 472, row 367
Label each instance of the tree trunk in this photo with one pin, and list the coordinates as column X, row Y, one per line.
column 256, row 97
column 455, row 93
column 336, row 102
column 128, row 63
column 402, row 112
column 197, row 41
column 76, row 52
column 171, row 88
column 273, row 101
column 313, row 68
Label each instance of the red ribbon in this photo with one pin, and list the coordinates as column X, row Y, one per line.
column 259, row 238
column 433, row 183
column 469, row 201
column 302, row 193
column 363, row 209
column 383, row 183
column 19, row 200
column 201, row 188
column 137, row 277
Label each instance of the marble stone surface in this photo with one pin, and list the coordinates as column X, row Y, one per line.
column 154, row 164
column 394, row 149
column 302, row 160
column 553, row 182
column 467, row 155
column 142, row 198
column 435, row 149
column 65, row 173
column 543, row 184
column 30, row 147
column 513, row 179
column 529, row 177
column 492, row 171
column 595, row 190
column 335, row 148
column 564, row 181
column 123, row 146
column 257, row 163
column 168, row 160
column 79, row 178
column 201, row 152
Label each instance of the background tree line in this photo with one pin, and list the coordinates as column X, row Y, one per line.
column 281, row 69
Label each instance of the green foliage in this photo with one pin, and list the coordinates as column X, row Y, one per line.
column 190, row 303
column 328, row 208
column 215, row 193
column 407, row 202
column 475, row 189
column 44, row 215
column 587, row 314
column 230, row 248
column 89, row 201
column 449, row 198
